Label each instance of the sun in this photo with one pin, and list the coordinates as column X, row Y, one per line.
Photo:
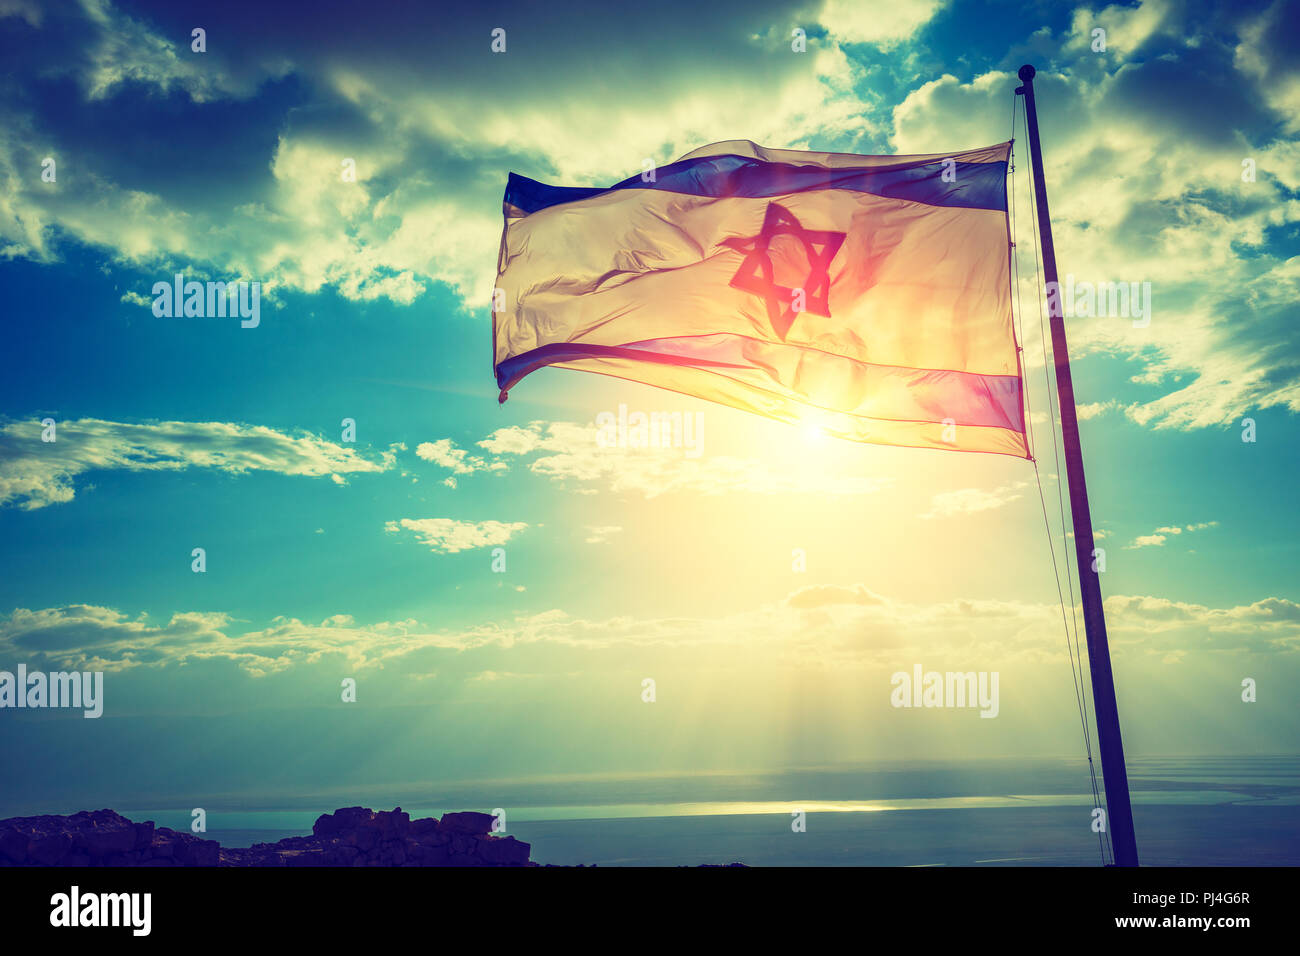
column 813, row 434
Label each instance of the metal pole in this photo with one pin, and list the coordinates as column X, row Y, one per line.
column 1119, row 810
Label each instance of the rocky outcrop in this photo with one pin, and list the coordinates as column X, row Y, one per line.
column 352, row 836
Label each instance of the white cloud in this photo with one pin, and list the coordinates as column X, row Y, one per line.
column 885, row 24
column 1266, row 53
column 1127, row 29
column 822, row 595
column 1158, row 537
column 126, row 50
column 1144, row 161
column 967, row 501
column 847, row 627
column 597, row 534
column 1094, row 409
column 434, row 129
column 514, row 440
column 38, row 473
column 1143, row 143
column 1274, row 617
column 445, row 453
column 449, row 536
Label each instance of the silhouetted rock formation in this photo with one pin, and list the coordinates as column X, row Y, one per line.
column 352, row 836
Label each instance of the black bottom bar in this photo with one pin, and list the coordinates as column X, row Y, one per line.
column 989, row 908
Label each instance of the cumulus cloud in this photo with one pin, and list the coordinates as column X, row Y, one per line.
column 826, row 595
column 1278, row 619
column 121, row 49
column 848, row 626
column 432, row 122
column 445, row 453
column 1266, row 52
column 965, row 501
column 450, row 536
column 1144, row 143
column 1094, row 409
column 1144, row 147
column 36, row 473
column 1125, row 30
column 86, row 637
column 103, row 636
column 1159, row 536
column 883, row 24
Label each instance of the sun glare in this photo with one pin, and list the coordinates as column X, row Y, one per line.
column 813, row 434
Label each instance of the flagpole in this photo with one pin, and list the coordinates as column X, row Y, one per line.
column 1115, row 777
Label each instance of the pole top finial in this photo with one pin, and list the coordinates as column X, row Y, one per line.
column 1026, row 73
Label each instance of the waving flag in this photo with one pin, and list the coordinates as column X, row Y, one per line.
column 868, row 295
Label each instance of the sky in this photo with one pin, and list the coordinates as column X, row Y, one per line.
column 497, row 584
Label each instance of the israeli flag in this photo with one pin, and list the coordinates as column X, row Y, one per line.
column 867, row 295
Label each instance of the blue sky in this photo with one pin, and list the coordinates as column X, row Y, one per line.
column 373, row 559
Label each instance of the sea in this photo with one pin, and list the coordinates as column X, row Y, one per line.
column 1188, row 811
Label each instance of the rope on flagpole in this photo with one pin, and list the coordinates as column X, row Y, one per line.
column 1071, row 637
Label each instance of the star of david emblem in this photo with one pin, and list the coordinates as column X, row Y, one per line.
column 757, row 273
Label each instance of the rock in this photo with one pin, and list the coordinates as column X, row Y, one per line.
column 364, row 839
column 426, row 855
column 347, row 818
column 462, row 845
column 144, row 835
column 350, row 836
column 305, row 858
column 468, row 822
column 13, row 845
column 107, row 840
column 503, row 851
column 432, row 837
column 49, row 848
column 189, row 850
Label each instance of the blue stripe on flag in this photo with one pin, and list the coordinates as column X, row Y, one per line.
column 972, row 186
column 511, row 370
column 904, row 394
